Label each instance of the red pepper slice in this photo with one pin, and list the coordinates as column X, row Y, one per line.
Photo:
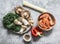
column 35, row 31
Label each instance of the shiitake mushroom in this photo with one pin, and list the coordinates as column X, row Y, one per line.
column 18, row 10
column 25, row 14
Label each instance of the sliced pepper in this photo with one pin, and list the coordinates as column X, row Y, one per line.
column 35, row 32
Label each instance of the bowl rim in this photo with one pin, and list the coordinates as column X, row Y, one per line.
column 25, row 38
column 52, row 18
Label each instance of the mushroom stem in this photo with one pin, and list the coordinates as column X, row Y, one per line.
column 23, row 28
column 21, row 31
column 25, row 21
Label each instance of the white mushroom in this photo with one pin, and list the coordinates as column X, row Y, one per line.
column 17, row 22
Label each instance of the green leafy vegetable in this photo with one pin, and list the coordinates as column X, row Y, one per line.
column 8, row 22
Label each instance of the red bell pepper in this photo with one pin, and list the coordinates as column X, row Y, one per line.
column 35, row 32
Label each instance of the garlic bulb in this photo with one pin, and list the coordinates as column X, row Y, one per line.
column 17, row 22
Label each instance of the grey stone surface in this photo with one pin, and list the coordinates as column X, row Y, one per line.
column 51, row 37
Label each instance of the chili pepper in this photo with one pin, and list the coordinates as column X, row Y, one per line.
column 42, row 24
column 35, row 32
column 46, row 22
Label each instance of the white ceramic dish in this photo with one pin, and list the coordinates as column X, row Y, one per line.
column 51, row 26
column 27, row 40
column 26, row 29
column 46, row 29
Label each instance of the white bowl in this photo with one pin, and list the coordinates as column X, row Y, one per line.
column 25, row 38
column 51, row 26
column 46, row 29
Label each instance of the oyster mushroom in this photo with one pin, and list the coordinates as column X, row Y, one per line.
column 23, row 28
column 17, row 22
column 25, row 14
column 31, row 22
column 20, row 19
column 18, row 10
column 23, row 20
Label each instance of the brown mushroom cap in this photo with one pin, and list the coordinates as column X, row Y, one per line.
column 18, row 10
column 25, row 14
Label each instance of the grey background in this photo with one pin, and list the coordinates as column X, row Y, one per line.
column 51, row 37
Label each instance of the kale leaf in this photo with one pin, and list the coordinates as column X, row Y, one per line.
column 8, row 22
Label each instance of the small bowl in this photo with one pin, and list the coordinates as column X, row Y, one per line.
column 26, row 37
column 51, row 17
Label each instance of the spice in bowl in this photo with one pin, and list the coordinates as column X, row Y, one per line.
column 46, row 21
column 27, row 37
